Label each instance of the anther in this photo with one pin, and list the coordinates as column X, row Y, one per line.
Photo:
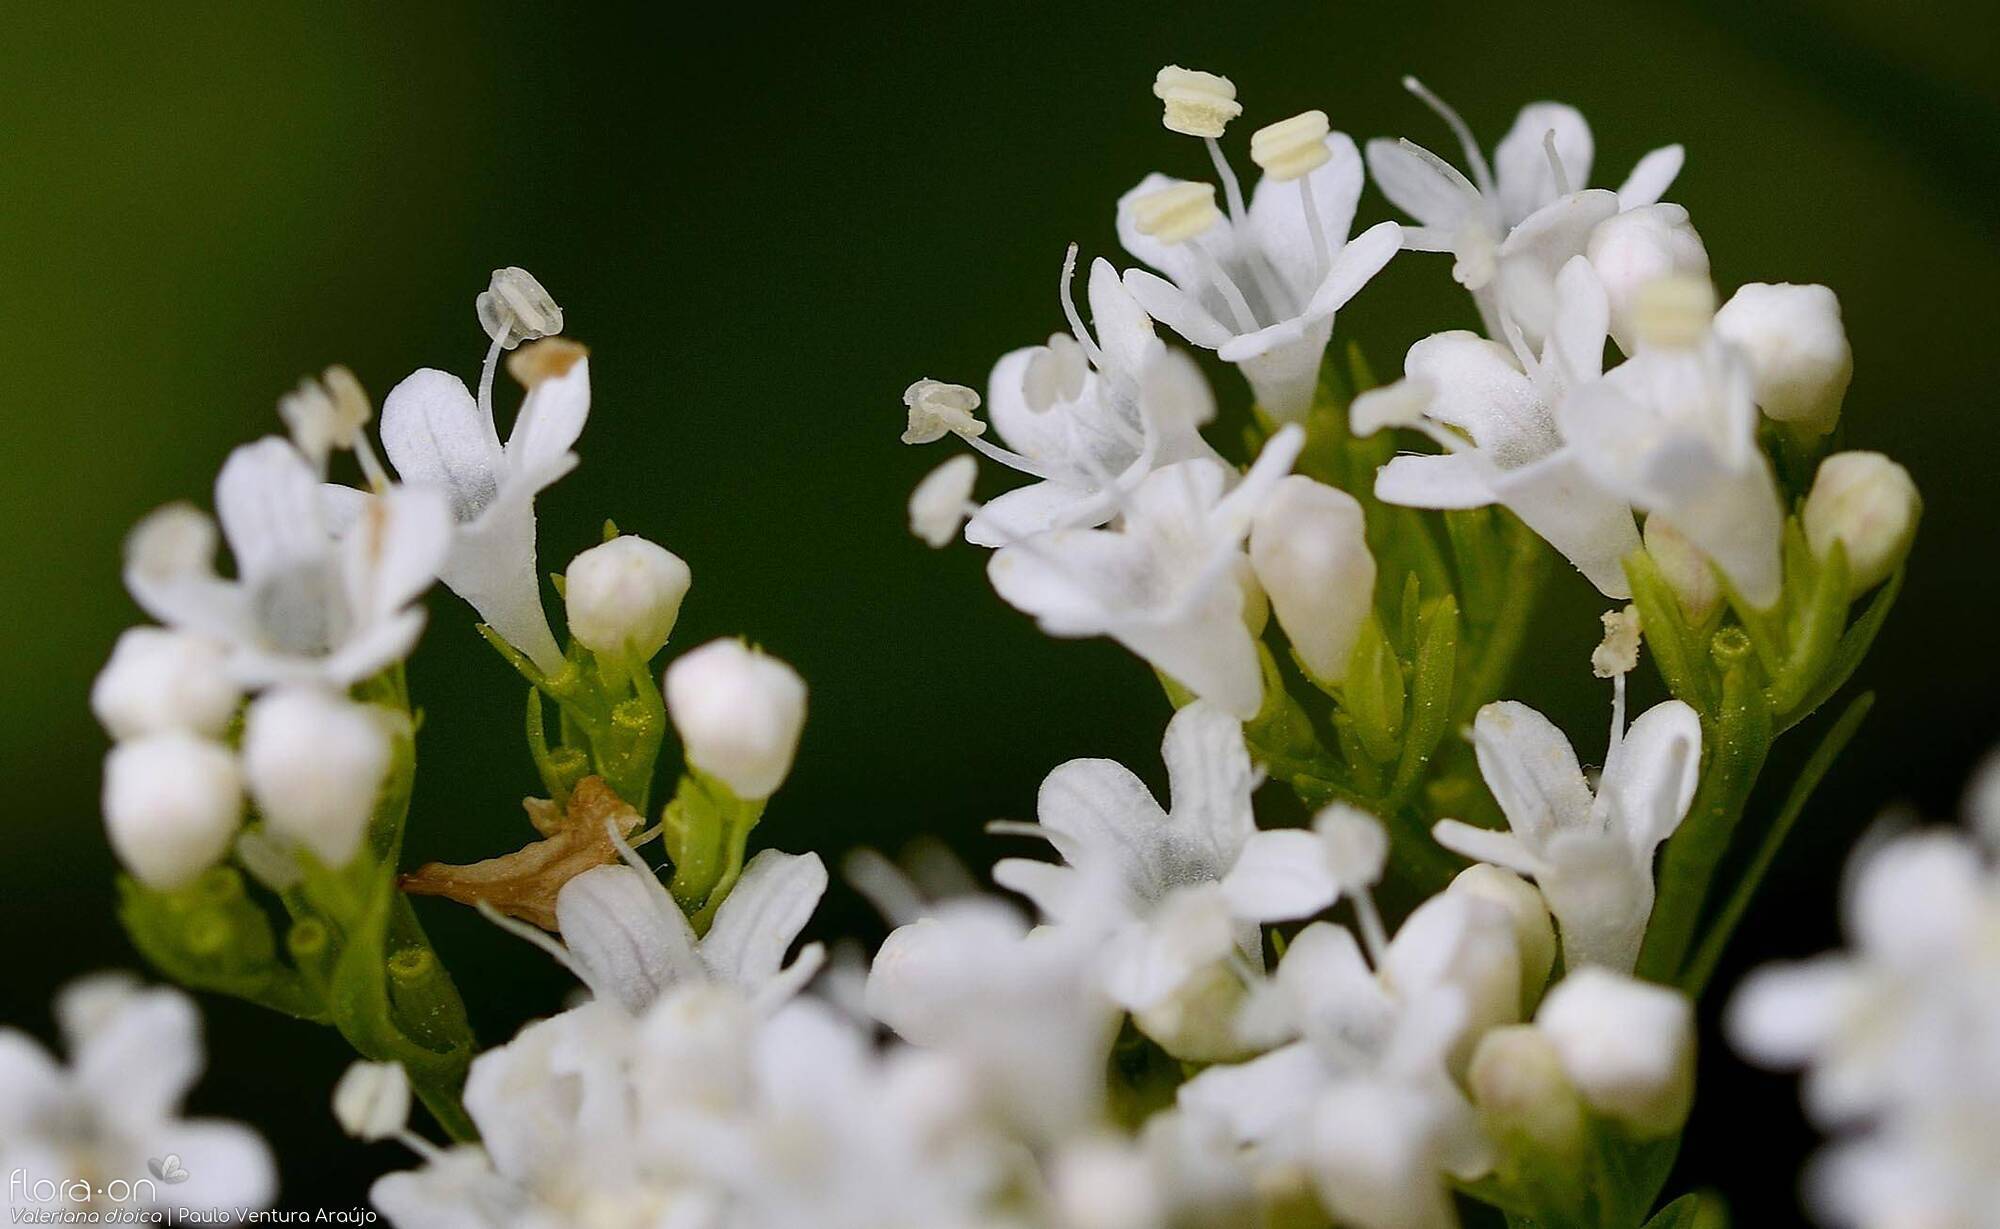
column 515, row 308
column 1674, row 311
column 1198, row 104
column 1176, row 214
column 1292, row 147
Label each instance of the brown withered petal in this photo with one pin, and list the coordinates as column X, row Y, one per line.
column 524, row 883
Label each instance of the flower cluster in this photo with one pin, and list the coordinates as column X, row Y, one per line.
column 1467, row 977
column 1900, row 1037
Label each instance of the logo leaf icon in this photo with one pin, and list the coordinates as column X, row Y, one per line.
column 168, row 1168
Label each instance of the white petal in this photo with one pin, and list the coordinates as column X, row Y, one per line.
column 1486, row 845
column 1592, row 528
column 762, row 915
column 268, row 501
column 434, row 432
column 229, row 1166
column 1532, row 771
column 1650, row 776
column 1787, row 1015
column 1101, row 817
column 1282, row 363
column 628, row 946
column 1262, row 1099
column 1210, row 780
column 1601, row 893
column 1331, row 986
column 1575, row 349
column 1182, row 312
column 1354, row 265
column 550, row 419
column 1072, row 581
column 1280, row 876
column 395, row 548
column 1462, row 480
column 1651, row 178
column 1521, row 162
column 1427, row 189
column 143, row 1058
column 32, row 1079
column 1027, row 511
column 1124, row 331
column 1278, row 218
column 1477, row 387
column 492, row 567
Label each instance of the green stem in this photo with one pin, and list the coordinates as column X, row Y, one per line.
column 1702, row 967
column 1501, row 645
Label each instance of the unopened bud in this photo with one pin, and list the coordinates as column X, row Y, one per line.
column 624, row 596
column 1673, row 312
column 1176, row 214
column 1293, row 147
column 1310, row 551
column 1523, row 1094
column 1534, row 931
column 1868, row 504
column 1686, row 569
column 1796, row 345
column 314, row 762
column 161, row 680
column 172, row 802
column 372, row 1101
column 938, row 409
column 1634, row 249
column 1198, row 104
column 937, row 506
column 515, row 308
column 1627, row 1045
column 739, row 713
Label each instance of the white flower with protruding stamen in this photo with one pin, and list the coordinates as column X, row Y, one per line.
column 1591, row 852
column 1495, row 411
column 321, row 595
column 437, row 434
column 1514, row 225
column 1172, row 582
column 1261, row 285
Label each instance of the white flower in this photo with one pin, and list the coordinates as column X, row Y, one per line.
column 1514, row 226
column 437, row 435
column 1797, row 349
column 1089, row 415
column 1366, row 1098
column 624, row 596
column 1673, row 431
column 1591, row 854
column 1496, row 412
column 1261, row 286
column 1900, row 1035
column 372, row 1100
column 314, row 763
column 159, row 680
column 322, row 594
column 114, row 1112
column 1309, row 549
column 1291, row 873
column 1637, row 247
column 739, row 713
column 939, row 503
column 625, row 937
column 1868, row 504
column 1182, row 1169
column 172, row 803
column 1171, row 583
column 1144, row 881
column 1627, row 1045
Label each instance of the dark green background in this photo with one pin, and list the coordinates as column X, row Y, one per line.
column 766, row 220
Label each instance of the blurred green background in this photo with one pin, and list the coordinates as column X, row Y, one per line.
column 766, row 220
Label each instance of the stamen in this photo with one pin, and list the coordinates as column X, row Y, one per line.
column 534, row 935
column 1293, row 149
column 1016, row 827
column 1246, row 321
column 1555, row 162
column 1198, row 104
column 515, row 308
column 1481, row 173
column 1070, row 313
column 1232, row 191
column 884, row 885
column 1176, row 214
column 1374, row 937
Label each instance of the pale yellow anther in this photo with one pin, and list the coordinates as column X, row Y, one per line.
column 515, row 308
column 938, row 409
column 1198, row 104
column 1619, row 652
column 1176, row 214
column 1291, row 147
column 545, row 360
column 1674, row 311
column 326, row 414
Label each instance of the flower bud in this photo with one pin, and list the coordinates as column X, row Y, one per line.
column 1198, row 104
column 172, row 801
column 1534, row 932
column 739, row 713
column 161, row 680
column 1686, row 569
column 1637, row 247
column 1310, row 552
column 1627, row 1045
column 372, row 1101
column 1797, row 348
column 1518, row 1082
column 624, row 596
column 1870, row 506
column 315, row 762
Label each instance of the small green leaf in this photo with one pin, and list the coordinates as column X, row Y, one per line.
column 1373, row 694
